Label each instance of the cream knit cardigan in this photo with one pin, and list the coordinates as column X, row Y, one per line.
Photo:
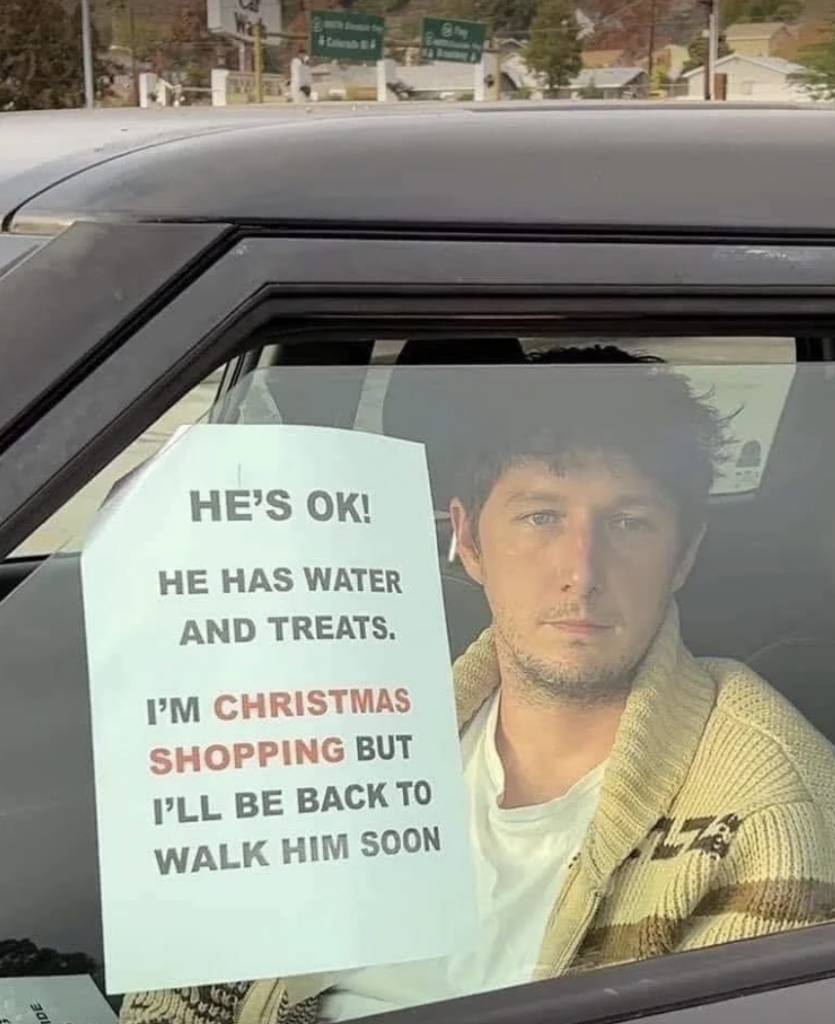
column 716, row 822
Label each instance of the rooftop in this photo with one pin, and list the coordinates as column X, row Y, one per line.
column 606, row 78
column 782, row 67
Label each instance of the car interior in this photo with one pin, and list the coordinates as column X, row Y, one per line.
column 760, row 592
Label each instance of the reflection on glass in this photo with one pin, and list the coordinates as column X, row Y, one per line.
column 637, row 609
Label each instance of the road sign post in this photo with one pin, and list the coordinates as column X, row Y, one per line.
column 457, row 42
column 238, row 18
column 347, row 37
column 87, row 55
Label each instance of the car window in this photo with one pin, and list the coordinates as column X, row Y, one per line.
column 713, row 364
column 424, row 679
column 67, row 526
column 14, row 248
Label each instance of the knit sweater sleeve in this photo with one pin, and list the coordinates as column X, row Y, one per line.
column 207, row 1004
column 270, row 1001
column 778, row 874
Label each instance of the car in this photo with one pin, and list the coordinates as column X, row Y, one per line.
column 355, row 269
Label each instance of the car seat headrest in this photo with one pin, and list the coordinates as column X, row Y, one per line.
column 433, row 389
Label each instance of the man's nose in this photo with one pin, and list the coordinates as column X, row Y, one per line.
column 581, row 558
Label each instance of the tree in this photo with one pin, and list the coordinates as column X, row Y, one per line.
column 40, row 56
column 734, row 11
column 818, row 78
column 171, row 36
column 591, row 91
column 697, row 52
column 513, row 17
column 554, row 51
column 502, row 17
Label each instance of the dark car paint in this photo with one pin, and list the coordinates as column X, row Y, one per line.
column 605, row 169
column 131, row 269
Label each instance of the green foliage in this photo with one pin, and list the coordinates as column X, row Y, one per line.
column 138, row 35
column 502, row 17
column 41, row 64
column 818, row 80
column 697, row 52
column 380, row 7
column 591, row 92
column 513, row 17
column 734, row 11
column 172, row 37
column 660, row 78
column 554, row 51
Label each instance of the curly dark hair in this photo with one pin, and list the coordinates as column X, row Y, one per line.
column 608, row 403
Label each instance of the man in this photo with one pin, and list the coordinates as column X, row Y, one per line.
column 625, row 799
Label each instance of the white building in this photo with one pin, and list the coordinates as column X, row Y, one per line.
column 759, row 79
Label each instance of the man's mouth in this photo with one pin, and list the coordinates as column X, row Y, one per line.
column 580, row 627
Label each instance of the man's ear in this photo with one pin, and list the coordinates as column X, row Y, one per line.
column 465, row 540
column 688, row 558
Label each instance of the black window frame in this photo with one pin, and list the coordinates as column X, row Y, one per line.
column 162, row 343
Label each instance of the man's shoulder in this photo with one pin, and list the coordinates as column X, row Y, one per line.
column 763, row 742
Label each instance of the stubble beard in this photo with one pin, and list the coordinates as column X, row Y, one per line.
column 544, row 681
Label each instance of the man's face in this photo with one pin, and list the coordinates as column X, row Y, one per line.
column 578, row 568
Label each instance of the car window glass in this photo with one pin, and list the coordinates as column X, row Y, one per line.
column 67, row 526
column 267, row 641
column 717, row 365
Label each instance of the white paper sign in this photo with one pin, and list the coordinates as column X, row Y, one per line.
column 278, row 772
column 70, row 999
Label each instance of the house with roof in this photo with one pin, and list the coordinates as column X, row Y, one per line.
column 758, row 79
column 607, row 84
column 759, row 39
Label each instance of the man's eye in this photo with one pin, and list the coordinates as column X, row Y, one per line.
column 541, row 518
column 630, row 524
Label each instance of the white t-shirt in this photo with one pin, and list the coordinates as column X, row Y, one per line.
column 520, row 855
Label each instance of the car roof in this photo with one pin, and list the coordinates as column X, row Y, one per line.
column 575, row 166
column 42, row 148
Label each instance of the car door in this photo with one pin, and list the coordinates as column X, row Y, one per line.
column 310, row 331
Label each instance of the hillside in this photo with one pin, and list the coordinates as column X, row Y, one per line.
column 166, row 32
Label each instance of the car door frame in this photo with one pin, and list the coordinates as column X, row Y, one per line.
column 172, row 339
column 174, row 333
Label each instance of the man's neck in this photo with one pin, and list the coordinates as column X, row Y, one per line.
column 547, row 747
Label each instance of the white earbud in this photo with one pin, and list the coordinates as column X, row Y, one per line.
column 452, row 554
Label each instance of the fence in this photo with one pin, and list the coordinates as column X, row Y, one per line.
column 231, row 88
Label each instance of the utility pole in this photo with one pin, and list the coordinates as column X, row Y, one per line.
column 712, row 55
column 258, row 63
column 708, row 65
column 134, row 69
column 87, row 52
column 713, row 46
column 651, row 58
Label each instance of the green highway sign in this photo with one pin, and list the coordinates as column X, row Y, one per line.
column 444, row 39
column 351, row 38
